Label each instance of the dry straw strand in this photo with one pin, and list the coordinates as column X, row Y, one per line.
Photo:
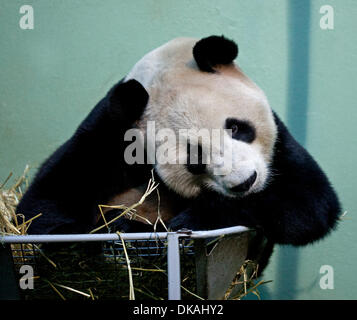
column 131, row 283
column 150, row 188
column 73, row 290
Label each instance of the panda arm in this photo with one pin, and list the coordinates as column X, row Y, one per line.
column 87, row 169
column 299, row 205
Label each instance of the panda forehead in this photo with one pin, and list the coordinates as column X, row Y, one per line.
column 209, row 100
column 172, row 66
column 182, row 95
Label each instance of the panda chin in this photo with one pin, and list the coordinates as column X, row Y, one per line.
column 237, row 195
column 259, row 185
column 229, row 194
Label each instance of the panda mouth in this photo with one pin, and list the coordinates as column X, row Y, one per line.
column 241, row 190
column 246, row 185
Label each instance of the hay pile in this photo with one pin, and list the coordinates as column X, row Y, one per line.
column 80, row 271
column 10, row 222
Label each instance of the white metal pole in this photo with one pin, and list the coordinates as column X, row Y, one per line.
column 173, row 266
column 113, row 236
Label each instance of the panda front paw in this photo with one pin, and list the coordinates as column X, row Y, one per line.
column 185, row 220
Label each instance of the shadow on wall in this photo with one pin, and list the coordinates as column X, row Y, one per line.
column 285, row 278
column 299, row 45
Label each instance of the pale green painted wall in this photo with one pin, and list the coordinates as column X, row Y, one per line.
column 50, row 78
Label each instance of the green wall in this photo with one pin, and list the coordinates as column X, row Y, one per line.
column 51, row 76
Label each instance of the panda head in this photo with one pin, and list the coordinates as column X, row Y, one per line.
column 195, row 85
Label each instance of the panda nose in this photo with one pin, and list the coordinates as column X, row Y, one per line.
column 195, row 163
column 245, row 186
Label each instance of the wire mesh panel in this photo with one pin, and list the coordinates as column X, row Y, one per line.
column 99, row 270
column 25, row 254
column 121, row 266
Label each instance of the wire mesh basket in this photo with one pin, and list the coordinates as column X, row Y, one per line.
column 167, row 265
column 100, row 270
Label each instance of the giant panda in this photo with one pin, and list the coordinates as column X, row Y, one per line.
column 274, row 185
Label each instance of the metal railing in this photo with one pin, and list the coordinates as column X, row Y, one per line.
column 172, row 238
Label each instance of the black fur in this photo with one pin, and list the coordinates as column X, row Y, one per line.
column 214, row 50
column 245, row 132
column 195, row 161
column 89, row 168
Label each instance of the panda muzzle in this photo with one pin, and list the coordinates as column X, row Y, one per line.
column 246, row 185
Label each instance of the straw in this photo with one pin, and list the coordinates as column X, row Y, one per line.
column 150, row 188
column 131, row 283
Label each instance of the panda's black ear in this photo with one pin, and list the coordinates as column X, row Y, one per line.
column 214, row 50
column 128, row 100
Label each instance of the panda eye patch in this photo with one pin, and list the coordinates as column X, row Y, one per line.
column 241, row 129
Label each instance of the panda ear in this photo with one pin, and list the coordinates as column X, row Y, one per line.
column 214, row 50
column 127, row 100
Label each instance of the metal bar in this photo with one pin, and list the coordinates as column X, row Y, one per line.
column 173, row 266
column 46, row 238
column 173, row 253
column 113, row 236
column 217, row 232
